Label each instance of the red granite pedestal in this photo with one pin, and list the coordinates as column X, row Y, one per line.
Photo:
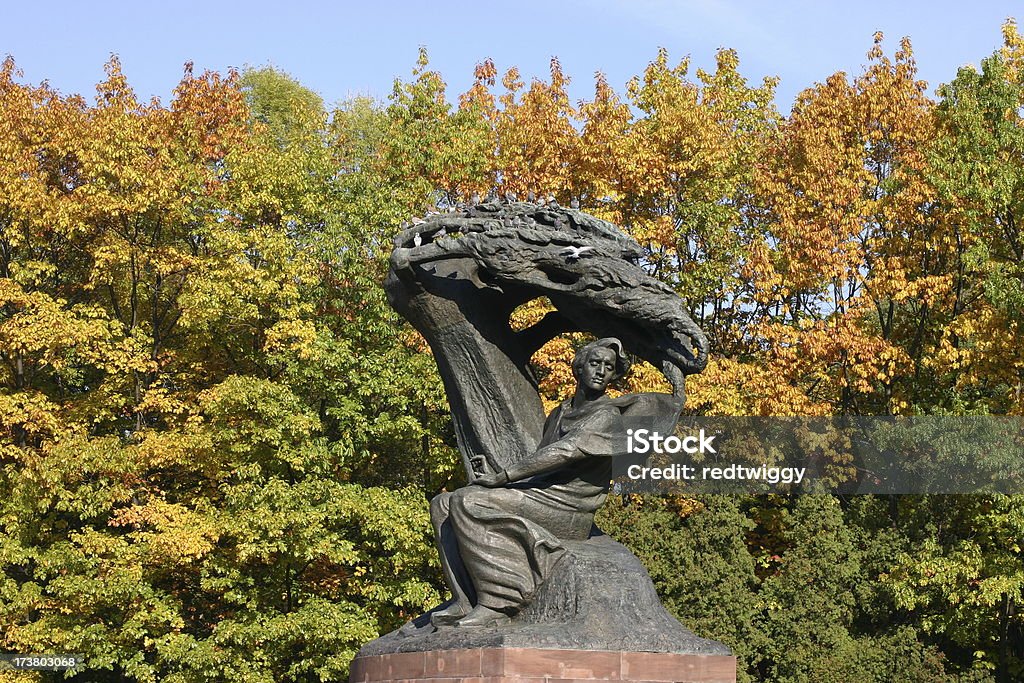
column 525, row 665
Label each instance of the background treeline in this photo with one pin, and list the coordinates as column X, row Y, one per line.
column 218, row 441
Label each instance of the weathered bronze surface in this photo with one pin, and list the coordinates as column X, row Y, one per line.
column 524, row 561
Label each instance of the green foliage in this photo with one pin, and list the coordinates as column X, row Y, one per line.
column 977, row 169
column 790, row 585
column 281, row 103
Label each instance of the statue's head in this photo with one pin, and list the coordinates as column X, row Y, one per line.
column 599, row 363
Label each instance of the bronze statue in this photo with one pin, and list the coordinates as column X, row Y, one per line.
column 526, row 565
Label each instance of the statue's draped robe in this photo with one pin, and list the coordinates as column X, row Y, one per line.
column 508, row 538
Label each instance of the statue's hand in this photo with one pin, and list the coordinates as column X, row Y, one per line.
column 480, row 465
column 492, row 479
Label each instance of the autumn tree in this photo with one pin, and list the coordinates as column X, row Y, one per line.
column 188, row 411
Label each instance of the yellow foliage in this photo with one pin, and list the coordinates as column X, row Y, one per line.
column 171, row 533
column 728, row 387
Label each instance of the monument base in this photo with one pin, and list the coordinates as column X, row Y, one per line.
column 528, row 665
column 599, row 598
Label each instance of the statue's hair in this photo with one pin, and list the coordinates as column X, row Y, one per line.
column 621, row 359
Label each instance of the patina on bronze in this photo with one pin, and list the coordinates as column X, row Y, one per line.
column 526, row 565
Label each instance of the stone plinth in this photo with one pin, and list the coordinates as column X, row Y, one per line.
column 527, row 665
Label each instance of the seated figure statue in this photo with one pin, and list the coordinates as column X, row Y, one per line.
column 500, row 537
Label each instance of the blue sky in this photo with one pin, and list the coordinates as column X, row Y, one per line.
column 342, row 49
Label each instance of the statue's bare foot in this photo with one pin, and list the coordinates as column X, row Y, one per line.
column 481, row 616
column 448, row 616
